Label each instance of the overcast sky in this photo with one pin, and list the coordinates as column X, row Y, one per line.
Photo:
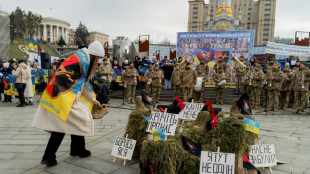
column 159, row 18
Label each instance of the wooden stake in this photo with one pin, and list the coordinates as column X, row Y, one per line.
column 166, row 137
column 270, row 169
column 114, row 160
column 218, row 149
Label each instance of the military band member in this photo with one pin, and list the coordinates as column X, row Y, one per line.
column 220, row 85
column 295, row 69
column 286, row 87
column 244, row 81
column 239, row 75
column 105, row 71
column 220, row 63
column 131, row 75
column 249, row 86
column 176, row 80
column 198, row 92
column 148, row 79
column 276, row 82
column 189, row 80
column 266, row 86
column 302, row 88
column 157, row 77
column 257, row 83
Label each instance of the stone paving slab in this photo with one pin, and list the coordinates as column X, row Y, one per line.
column 22, row 147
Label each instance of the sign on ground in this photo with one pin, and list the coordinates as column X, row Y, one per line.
column 167, row 121
column 263, row 155
column 123, row 148
column 217, row 162
column 190, row 111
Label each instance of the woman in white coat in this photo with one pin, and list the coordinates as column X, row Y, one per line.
column 61, row 112
column 28, row 93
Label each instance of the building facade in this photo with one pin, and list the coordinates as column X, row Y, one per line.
column 237, row 15
column 101, row 37
column 52, row 29
column 4, row 36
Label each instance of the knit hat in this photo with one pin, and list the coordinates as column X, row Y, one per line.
column 269, row 68
column 287, row 66
column 248, row 63
column 176, row 65
column 305, row 63
column 271, row 59
column 151, row 65
column 105, row 59
column 295, row 68
column 156, row 65
column 188, row 63
column 258, row 65
column 6, row 65
column 96, row 49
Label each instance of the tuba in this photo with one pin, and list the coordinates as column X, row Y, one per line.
column 239, row 66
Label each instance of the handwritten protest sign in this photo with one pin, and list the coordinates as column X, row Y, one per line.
column 123, row 148
column 263, row 155
column 216, row 162
column 191, row 111
column 167, row 121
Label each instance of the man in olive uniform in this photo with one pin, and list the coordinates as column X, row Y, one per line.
column 295, row 70
column 157, row 76
column 257, row 82
column 266, row 86
column 219, row 88
column 269, row 64
column 302, row 88
column 220, row 63
column 105, row 71
column 248, row 86
column 286, row 87
column 198, row 94
column 244, row 82
column 239, row 75
column 148, row 79
column 276, row 83
column 131, row 75
column 176, row 80
column 188, row 81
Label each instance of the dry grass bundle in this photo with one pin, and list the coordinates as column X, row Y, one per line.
column 136, row 129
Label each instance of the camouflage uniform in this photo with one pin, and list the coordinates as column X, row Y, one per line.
column 131, row 75
column 239, row 77
column 156, row 84
column 286, row 89
column 147, row 77
column 244, row 79
column 189, row 79
column 301, row 89
column 293, row 84
column 219, row 89
column 273, row 95
column 103, row 70
column 198, row 95
column 176, row 82
column 220, row 63
column 257, row 82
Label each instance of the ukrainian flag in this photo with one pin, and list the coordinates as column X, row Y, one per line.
column 251, row 126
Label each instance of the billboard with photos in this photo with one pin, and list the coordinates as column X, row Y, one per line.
column 208, row 46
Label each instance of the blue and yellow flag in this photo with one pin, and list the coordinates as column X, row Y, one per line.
column 251, row 126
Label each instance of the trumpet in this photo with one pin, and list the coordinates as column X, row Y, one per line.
column 251, row 76
column 239, row 66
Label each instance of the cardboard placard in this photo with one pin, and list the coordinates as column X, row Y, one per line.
column 217, row 162
column 263, row 155
column 123, row 148
column 158, row 120
column 190, row 111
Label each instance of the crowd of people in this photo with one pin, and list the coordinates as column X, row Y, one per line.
column 279, row 89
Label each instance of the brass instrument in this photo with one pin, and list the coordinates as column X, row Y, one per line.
column 270, row 82
column 239, row 66
column 183, row 64
column 251, row 77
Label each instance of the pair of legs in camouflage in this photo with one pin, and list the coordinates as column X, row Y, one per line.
column 273, row 100
column 198, row 96
column 301, row 98
column 187, row 93
column 256, row 97
column 131, row 92
column 156, row 93
column 284, row 99
column 176, row 90
column 219, row 95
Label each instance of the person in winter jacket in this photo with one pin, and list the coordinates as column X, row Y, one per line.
column 21, row 75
